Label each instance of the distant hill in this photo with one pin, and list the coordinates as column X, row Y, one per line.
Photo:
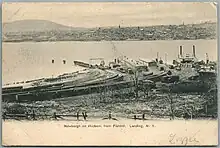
column 34, row 25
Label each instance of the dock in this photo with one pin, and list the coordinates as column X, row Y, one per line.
column 121, row 73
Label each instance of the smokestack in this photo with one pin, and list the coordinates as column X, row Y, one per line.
column 207, row 58
column 181, row 51
column 194, row 51
column 157, row 57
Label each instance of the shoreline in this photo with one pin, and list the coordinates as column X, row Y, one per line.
column 147, row 33
column 81, row 41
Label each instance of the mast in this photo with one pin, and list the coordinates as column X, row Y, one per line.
column 194, row 51
column 116, row 53
column 114, row 49
column 207, row 58
column 165, row 58
column 157, row 59
column 181, row 51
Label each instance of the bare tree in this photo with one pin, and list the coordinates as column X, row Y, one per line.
column 135, row 79
column 101, row 94
column 211, row 101
column 170, row 100
column 136, row 85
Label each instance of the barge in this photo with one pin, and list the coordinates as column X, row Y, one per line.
column 68, row 92
column 82, row 64
column 182, row 77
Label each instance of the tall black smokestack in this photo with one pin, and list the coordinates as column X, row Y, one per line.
column 181, row 51
column 194, row 51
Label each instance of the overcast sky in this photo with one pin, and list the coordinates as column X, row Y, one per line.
column 111, row 14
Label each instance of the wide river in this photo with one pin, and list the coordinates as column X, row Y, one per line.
column 30, row 60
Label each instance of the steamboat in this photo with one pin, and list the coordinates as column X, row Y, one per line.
column 185, row 74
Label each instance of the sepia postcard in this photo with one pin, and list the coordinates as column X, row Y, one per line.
column 109, row 74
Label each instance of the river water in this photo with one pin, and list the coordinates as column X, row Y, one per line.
column 30, row 60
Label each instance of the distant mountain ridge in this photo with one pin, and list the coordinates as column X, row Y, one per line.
column 34, row 25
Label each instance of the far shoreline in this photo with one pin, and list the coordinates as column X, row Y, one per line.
column 139, row 33
column 17, row 42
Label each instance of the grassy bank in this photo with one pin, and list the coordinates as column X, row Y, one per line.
column 162, row 32
column 124, row 105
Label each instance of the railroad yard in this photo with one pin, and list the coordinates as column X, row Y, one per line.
column 126, row 88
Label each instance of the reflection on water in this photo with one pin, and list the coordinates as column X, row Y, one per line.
column 29, row 60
